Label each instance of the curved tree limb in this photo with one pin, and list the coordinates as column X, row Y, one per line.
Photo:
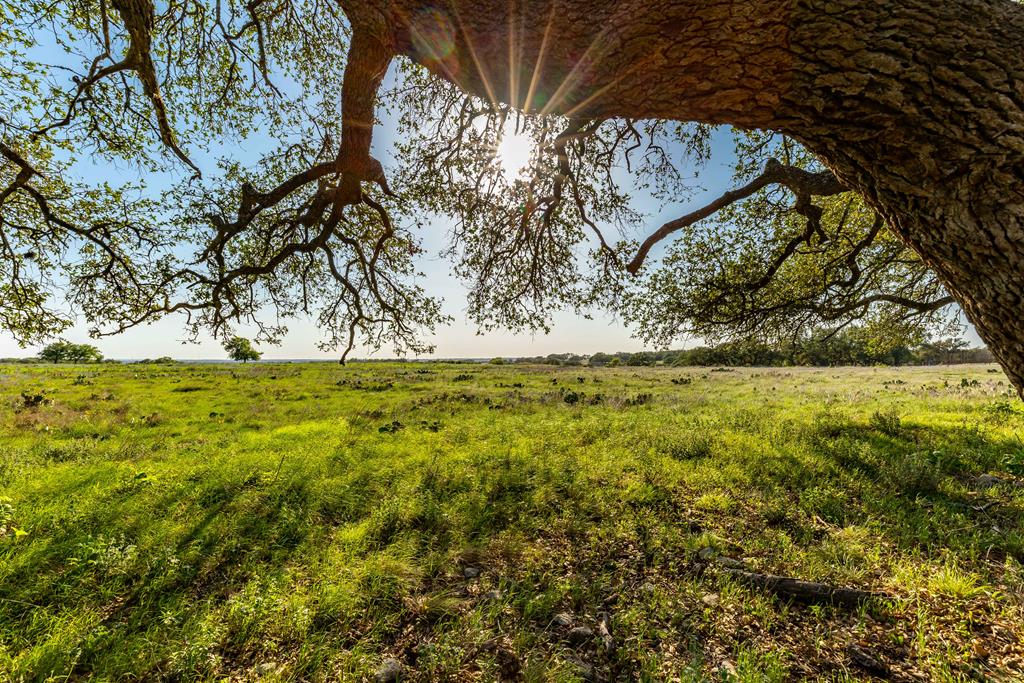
column 802, row 183
column 138, row 17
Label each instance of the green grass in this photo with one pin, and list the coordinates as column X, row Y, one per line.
column 305, row 522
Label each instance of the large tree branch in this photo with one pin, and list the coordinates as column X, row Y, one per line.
column 139, row 17
column 368, row 60
column 802, row 183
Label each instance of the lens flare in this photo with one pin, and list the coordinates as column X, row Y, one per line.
column 433, row 35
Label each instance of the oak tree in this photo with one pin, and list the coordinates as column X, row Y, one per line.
column 64, row 351
column 241, row 349
column 56, row 352
column 880, row 163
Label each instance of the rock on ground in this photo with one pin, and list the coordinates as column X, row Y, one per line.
column 580, row 635
column 389, row 672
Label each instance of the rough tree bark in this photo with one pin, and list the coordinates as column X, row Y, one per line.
column 918, row 105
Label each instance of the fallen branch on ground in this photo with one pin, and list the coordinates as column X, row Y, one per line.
column 806, row 591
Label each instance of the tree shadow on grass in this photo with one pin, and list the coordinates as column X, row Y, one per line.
column 918, row 484
column 205, row 539
column 113, row 562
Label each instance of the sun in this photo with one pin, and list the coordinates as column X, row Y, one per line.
column 514, row 152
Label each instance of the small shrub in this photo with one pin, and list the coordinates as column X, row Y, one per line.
column 887, row 422
column 104, row 556
column 914, row 473
column 1014, row 463
column 829, row 423
column 1000, row 411
column 63, row 452
column 714, row 501
column 391, row 427
column 31, row 400
column 7, row 527
column 826, row 502
column 432, row 426
column 776, row 512
column 690, row 446
column 385, row 386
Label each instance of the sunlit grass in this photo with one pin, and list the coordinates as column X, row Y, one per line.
column 304, row 522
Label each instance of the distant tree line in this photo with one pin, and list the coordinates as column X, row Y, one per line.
column 839, row 349
column 852, row 347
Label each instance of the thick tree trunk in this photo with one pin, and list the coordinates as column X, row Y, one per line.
column 920, row 106
column 917, row 104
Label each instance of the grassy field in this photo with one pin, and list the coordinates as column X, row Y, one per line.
column 310, row 522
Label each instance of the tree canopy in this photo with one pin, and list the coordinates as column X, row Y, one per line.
column 241, row 349
column 317, row 228
column 66, row 352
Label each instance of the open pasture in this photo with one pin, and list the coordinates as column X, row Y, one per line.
column 308, row 522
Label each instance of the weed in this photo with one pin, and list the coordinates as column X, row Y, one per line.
column 1000, row 412
column 913, row 473
column 30, row 401
column 1013, row 462
column 887, row 422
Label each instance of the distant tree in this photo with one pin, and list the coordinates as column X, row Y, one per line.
column 639, row 359
column 65, row 352
column 941, row 351
column 240, row 349
column 57, row 352
column 498, row 361
column 84, row 353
